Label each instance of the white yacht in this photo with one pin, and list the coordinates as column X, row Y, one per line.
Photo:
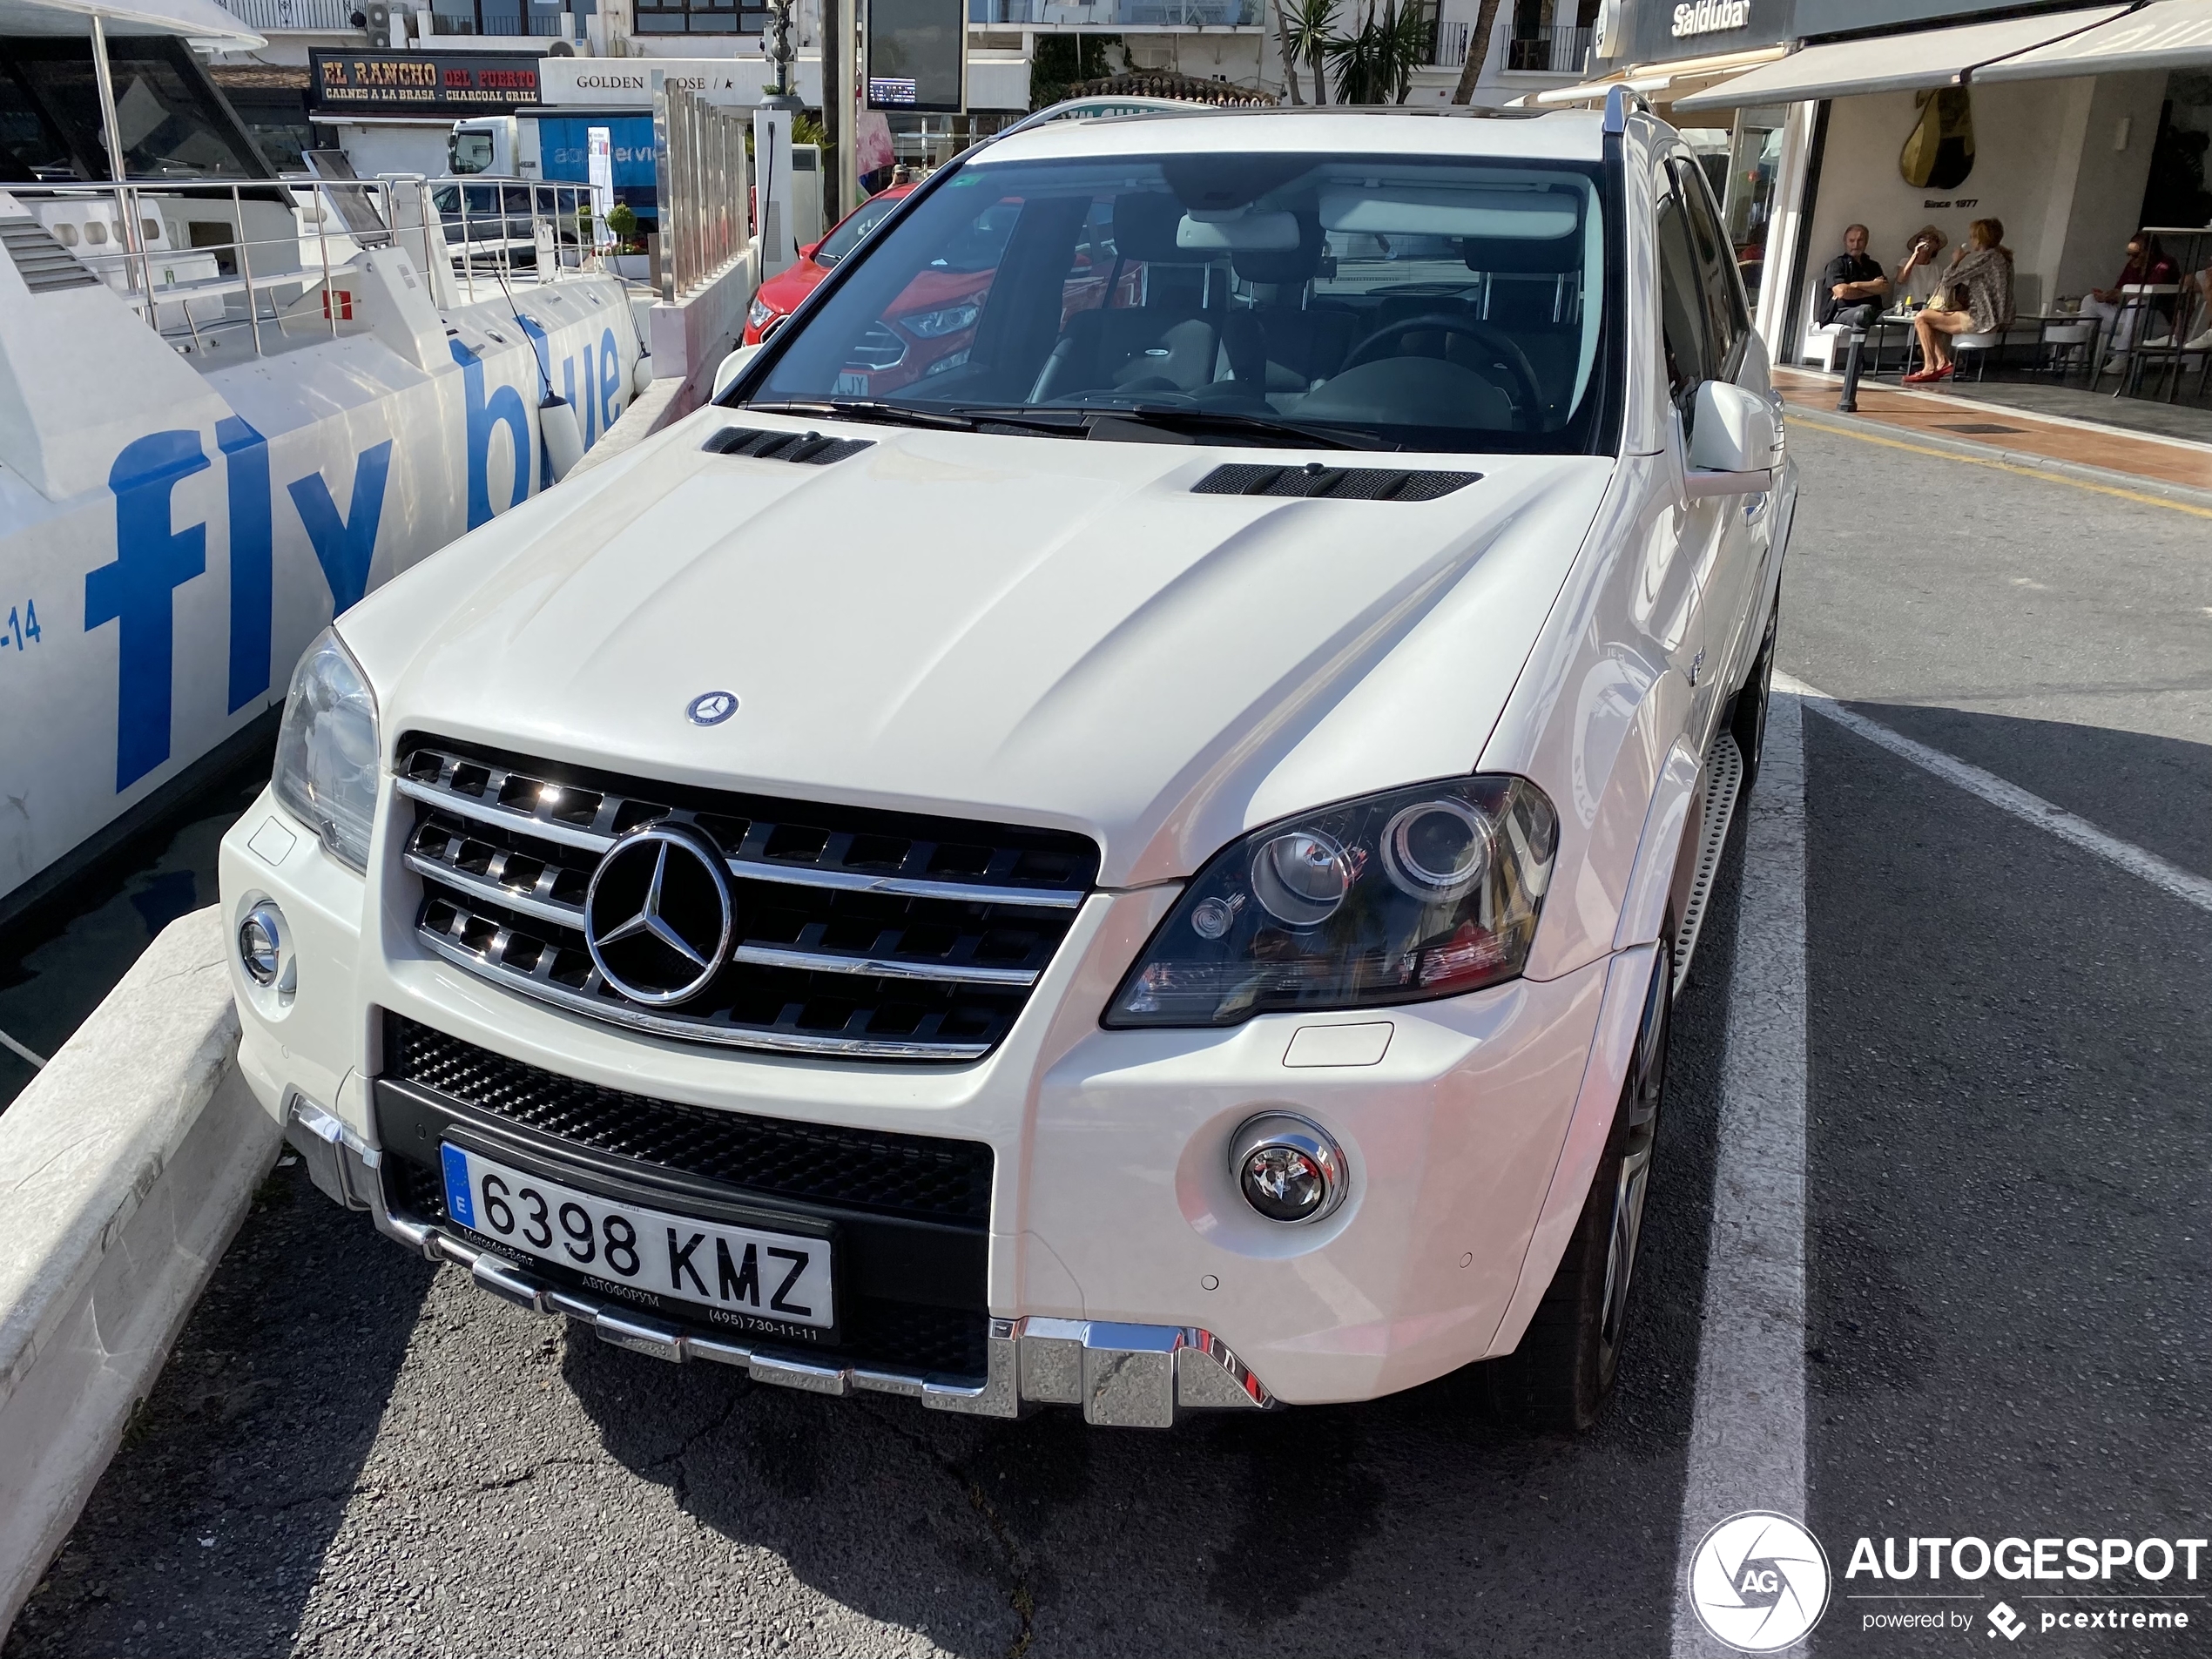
column 231, row 403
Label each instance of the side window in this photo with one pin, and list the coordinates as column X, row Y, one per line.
column 1716, row 263
column 1683, row 316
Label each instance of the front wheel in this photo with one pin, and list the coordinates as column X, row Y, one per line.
column 1563, row 1371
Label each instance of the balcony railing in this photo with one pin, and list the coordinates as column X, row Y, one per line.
column 275, row 15
column 1119, row 14
column 509, row 17
column 1561, row 50
column 1450, row 47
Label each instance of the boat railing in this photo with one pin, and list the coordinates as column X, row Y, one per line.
column 197, row 260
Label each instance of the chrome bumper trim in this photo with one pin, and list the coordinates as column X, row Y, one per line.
column 1123, row 1376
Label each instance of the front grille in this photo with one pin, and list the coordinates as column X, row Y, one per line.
column 919, row 1176
column 1315, row 481
column 858, row 934
column 877, row 348
column 872, row 1331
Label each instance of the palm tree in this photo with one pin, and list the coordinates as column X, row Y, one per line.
column 1485, row 18
column 1308, row 25
column 1375, row 63
column 1290, row 63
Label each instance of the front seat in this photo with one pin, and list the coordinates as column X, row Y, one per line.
column 1167, row 344
column 1281, row 343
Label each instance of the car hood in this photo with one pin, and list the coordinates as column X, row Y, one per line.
column 787, row 288
column 1029, row 629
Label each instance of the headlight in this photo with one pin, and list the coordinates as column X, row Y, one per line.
column 759, row 313
column 1421, row 893
column 327, row 749
column 934, row 325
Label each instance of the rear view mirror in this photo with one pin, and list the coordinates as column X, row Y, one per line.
column 1733, row 439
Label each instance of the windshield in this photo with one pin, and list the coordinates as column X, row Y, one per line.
column 1395, row 301
column 857, row 223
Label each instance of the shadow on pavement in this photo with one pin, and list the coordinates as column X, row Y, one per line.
column 2156, row 792
column 209, row 1527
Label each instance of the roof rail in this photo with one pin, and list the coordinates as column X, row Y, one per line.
column 1102, row 105
column 1620, row 102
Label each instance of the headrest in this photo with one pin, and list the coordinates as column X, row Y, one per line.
column 1508, row 254
column 1144, row 226
column 1295, row 264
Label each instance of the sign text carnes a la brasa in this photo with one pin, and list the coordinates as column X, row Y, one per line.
column 428, row 83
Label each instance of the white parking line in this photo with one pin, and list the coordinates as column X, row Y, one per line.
column 1747, row 1437
column 2170, row 878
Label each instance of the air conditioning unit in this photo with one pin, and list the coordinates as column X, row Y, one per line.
column 379, row 13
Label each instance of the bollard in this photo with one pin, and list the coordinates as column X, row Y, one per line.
column 1848, row 403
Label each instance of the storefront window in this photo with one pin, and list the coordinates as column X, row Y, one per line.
column 1747, row 204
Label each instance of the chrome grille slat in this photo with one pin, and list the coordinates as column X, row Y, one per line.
column 860, row 932
column 817, row 961
column 694, row 1030
column 492, row 812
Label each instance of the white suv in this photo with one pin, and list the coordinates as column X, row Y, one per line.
column 1114, row 824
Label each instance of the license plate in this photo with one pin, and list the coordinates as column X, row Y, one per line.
column 738, row 1271
column 850, row 385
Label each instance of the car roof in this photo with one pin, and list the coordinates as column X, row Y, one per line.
column 1564, row 135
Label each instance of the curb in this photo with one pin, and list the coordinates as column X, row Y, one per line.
column 124, row 1169
column 2078, row 472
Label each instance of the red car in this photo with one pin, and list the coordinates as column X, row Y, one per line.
column 929, row 327
column 780, row 295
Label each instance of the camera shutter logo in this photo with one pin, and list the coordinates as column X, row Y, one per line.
column 1759, row 1581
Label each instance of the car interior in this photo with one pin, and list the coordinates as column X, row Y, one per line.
column 1383, row 295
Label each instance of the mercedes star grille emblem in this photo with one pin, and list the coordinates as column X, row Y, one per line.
column 657, row 915
column 710, row 708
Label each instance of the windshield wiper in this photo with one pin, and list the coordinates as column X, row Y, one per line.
column 1191, row 422
column 865, row 408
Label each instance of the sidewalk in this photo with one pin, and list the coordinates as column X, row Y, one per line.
column 1974, row 426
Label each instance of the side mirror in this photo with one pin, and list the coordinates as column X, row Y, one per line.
column 807, row 253
column 730, row 367
column 1734, row 439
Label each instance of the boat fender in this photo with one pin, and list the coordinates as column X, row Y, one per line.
column 641, row 376
column 564, row 438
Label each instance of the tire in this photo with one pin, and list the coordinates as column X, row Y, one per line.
column 1747, row 722
column 1564, row 1371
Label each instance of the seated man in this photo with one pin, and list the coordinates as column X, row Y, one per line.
column 1854, row 287
column 2148, row 266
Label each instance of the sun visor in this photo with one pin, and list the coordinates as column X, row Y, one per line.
column 1541, row 216
column 1240, row 231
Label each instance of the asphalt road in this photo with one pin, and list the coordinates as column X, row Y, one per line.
column 2008, row 1294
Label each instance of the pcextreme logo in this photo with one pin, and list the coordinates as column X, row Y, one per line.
column 1759, row 1581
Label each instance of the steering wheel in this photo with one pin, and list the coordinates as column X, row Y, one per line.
column 1525, row 394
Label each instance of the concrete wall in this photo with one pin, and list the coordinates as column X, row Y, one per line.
column 2049, row 161
column 124, row 1169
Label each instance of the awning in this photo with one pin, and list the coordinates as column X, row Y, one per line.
column 1898, row 63
column 202, row 22
column 2167, row 34
column 1657, row 82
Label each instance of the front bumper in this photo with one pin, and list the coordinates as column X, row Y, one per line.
column 1123, row 1376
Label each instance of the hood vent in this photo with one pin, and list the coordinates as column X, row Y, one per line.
column 1313, row 480
column 807, row 448
column 46, row 266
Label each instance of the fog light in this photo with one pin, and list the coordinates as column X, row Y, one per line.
column 1288, row 1170
column 265, row 949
